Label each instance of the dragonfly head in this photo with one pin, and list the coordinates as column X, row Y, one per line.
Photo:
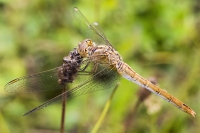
column 84, row 46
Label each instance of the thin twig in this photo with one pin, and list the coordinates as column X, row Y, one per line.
column 62, row 127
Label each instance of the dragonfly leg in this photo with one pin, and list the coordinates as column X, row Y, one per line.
column 84, row 68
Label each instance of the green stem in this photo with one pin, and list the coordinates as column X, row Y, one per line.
column 105, row 110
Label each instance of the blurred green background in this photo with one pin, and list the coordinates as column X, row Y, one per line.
column 158, row 38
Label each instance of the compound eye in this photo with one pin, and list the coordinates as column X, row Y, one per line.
column 89, row 42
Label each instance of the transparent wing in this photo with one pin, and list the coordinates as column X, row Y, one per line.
column 90, row 31
column 44, row 81
column 103, row 78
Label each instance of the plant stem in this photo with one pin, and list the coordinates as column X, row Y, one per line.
column 105, row 110
column 62, row 127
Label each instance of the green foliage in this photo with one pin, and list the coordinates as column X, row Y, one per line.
column 156, row 38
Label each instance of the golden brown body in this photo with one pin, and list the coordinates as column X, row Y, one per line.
column 106, row 54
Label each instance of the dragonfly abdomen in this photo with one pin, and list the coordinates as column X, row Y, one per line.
column 126, row 72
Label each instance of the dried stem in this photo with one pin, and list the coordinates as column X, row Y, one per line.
column 62, row 127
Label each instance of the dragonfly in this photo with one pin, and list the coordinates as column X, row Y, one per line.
column 92, row 66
